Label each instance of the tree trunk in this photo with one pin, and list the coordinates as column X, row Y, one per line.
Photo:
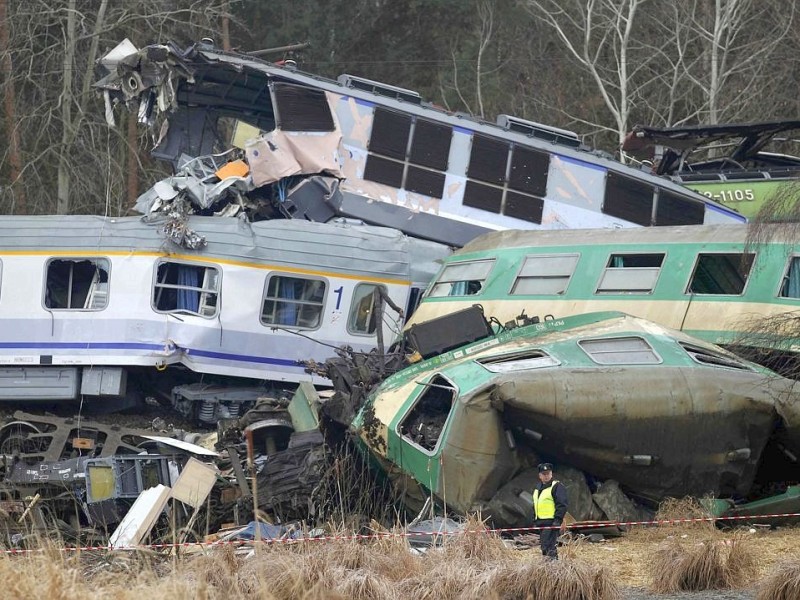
column 62, row 206
column 9, row 108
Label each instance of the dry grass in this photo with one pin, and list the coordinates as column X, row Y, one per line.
column 711, row 564
column 474, row 565
column 471, row 566
column 783, row 583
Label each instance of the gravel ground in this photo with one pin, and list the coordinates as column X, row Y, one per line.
column 642, row 594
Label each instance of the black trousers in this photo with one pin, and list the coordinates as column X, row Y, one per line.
column 548, row 538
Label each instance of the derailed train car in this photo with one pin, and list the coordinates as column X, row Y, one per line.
column 617, row 397
column 110, row 310
column 286, row 143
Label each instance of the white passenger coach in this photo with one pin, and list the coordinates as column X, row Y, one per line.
column 85, row 300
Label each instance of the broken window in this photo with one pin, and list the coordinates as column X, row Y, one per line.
column 408, row 153
column 790, row 287
column 300, row 108
column 548, row 275
column 518, row 361
column 425, row 422
column 462, row 279
column 630, row 274
column 363, row 317
column 706, row 356
column 620, row 351
column 293, row 301
column 628, row 199
column 186, row 288
column 77, row 284
column 720, row 274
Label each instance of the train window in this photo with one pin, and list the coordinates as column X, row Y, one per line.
column 390, row 133
column 488, row 160
column 293, row 301
column 528, row 172
column 485, row 197
column 720, row 274
column 790, row 287
column 76, row 284
column 393, row 161
column 620, row 351
column 462, row 278
column 547, row 275
column 425, row 422
column 706, row 356
column 431, row 144
column 673, row 209
column 301, row 108
column 186, row 288
column 527, row 208
column 518, row 361
column 363, row 317
column 630, row 274
column 628, row 199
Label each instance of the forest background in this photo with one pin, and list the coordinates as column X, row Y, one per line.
column 596, row 67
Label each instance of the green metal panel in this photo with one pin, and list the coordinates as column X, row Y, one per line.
column 304, row 408
column 745, row 196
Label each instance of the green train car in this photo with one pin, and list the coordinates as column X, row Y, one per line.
column 713, row 282
column 614, row 396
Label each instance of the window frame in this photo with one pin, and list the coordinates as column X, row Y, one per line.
column 352, row 311
column 784, row 280
column 519, row 361
column 503, row 194
column 517, row 277
column 408, row 165
column 73, row 260
column 424, row 387
column 687, row 286
column 202, row 290
column 592, row 356
column 630, row 292
column 438, row 280
column 287, row 275
column 724, row 362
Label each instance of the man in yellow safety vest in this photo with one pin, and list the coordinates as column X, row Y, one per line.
column 549, row 509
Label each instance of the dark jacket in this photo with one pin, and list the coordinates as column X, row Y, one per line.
column 559, row 497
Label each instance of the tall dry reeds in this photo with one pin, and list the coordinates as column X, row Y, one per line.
column 783, row 583
column 472, row 565
column 709, row 564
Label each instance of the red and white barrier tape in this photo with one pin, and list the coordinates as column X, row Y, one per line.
column 409, row 534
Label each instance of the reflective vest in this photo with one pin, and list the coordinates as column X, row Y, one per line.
column 543, row 504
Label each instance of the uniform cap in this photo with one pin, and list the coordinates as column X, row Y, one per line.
column 544, row 467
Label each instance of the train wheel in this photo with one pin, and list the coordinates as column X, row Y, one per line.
column 15, row 438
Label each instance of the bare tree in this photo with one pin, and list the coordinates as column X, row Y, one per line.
column 737, row 38
column 600, row 36
column 66, row 159
column 10, row 111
